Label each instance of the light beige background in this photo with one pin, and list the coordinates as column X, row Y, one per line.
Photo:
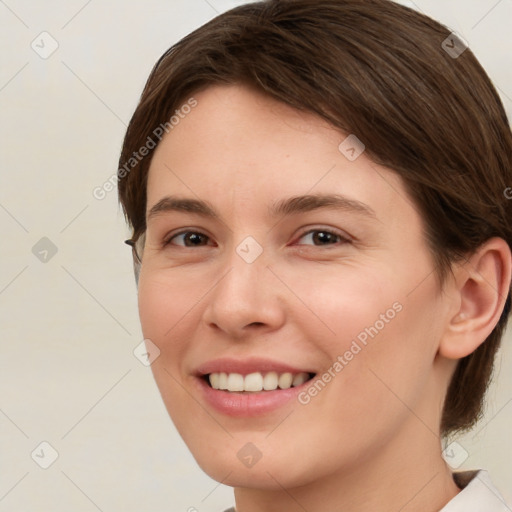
column 69, row 326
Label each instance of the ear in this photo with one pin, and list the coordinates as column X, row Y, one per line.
column 480, row 287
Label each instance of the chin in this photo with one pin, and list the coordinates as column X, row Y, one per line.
column 270, row 472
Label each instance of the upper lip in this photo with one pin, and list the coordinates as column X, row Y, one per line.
column 246, row 366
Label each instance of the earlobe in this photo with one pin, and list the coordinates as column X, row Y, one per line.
column 481, row 285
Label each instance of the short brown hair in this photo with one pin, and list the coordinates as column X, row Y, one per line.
column 378, row 70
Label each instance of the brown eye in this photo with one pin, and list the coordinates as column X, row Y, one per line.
column 321, row 237
column 188, row 239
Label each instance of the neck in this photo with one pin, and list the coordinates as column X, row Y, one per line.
column 408, row 474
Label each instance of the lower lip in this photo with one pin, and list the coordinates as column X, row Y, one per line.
column 248, row 404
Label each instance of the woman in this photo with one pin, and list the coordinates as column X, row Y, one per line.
column 322, row 250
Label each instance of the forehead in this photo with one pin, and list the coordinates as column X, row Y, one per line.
column 238, row 146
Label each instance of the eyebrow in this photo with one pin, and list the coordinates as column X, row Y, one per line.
column 284, row 207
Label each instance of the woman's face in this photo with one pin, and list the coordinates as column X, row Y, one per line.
column 272, row 250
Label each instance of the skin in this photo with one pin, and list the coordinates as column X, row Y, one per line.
column 370, row 439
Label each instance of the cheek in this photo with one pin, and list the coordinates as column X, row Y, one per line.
column 388, row 362
column 164, row 314
column 345, row 305
column 161, row 313
column 164, row 303
column 379, row 340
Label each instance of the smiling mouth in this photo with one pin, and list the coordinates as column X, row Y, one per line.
column 256, row 382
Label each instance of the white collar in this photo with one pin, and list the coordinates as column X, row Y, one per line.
column 478, row 494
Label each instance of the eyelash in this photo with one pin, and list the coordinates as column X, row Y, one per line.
column 343, row 239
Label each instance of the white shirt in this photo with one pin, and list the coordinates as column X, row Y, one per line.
column 478, row 494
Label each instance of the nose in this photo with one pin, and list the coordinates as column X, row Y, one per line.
column 247, row 298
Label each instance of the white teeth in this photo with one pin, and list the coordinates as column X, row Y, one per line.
column 235, row 382
column 214, row 380
column 253, row 382
column 285, row 380
column 299, row 379
column 223, row 380
column 270, row 381
column 256, row 381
